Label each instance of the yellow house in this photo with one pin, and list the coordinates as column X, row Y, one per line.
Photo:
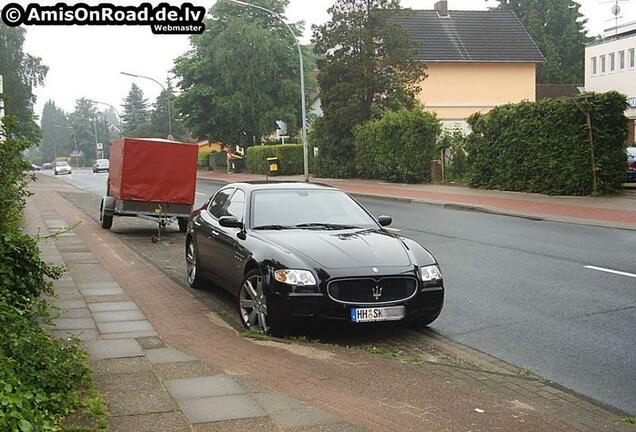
column 476, row 60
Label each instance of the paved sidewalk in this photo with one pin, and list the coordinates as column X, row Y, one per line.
column 614, row 212
column 148, row 385
column 164, row 362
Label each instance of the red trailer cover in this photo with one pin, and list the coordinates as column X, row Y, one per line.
column 153, row 170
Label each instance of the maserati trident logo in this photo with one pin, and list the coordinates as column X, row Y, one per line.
column 375, row 270
column 377, row 292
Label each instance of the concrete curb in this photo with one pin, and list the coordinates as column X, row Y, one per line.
column 472, row 208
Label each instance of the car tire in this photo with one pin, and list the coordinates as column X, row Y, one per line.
column 193, row 273
column 106, row 220
column 183, row 224
column 261, row 321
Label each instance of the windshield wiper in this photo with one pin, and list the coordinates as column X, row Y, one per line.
column 327, row 226
column 271, row 227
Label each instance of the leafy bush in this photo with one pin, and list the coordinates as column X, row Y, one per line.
column 453, row 142
column 41, row 379
column 39, row 376
column 290, row 156
column 398, row 146
column 544, row 146
column 336, row 156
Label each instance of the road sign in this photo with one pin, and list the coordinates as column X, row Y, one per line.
column 100, row 146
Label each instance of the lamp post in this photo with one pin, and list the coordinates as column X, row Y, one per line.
column 302, row 79
column 113, row 108
column 170, row 137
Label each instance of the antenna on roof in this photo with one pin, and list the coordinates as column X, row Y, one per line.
column 616, row 11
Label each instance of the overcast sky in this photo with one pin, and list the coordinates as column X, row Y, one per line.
column 86, row 61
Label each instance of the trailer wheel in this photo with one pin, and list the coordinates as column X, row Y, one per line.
column 106, row 212
column 183, row 224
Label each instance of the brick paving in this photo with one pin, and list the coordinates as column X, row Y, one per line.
column 615, row 212
column 338, row 389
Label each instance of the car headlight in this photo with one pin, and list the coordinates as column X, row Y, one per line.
column 295, row 277
column 430, row 273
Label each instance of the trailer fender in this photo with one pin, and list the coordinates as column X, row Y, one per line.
column 108, row 206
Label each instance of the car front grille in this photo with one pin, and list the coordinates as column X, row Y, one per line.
column 372, row 291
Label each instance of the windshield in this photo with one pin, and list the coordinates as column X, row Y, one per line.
column 102, row 161
column 631, row 151
column 302, row 208
column 61, row 164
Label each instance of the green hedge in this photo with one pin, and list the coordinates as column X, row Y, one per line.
column 398, row 146
column 290, row 156
column 544, row 146
column 42, row 379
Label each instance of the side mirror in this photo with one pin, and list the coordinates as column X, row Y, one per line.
column 385, row 220
column 230, row 222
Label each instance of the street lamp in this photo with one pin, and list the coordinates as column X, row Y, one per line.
column 170, row 137
column 113, row 108
column 302, row 79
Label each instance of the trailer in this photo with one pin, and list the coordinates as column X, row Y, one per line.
column 151, row 179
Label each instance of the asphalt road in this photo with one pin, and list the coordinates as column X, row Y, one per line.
column 520, row 290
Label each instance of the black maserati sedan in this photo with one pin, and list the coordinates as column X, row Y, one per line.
column 296, row 251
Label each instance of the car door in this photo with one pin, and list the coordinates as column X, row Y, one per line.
column 227, row 242
column 208, row 229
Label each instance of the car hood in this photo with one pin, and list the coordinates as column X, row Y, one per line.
column 343, row 249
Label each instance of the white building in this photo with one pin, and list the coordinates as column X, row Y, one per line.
column 610, row 64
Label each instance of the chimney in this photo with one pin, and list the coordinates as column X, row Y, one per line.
column 441, row 7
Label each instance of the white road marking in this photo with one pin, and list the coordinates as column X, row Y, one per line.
column 605, row 270
column 199, row 193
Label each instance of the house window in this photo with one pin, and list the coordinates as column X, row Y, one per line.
column 612, row 62
column 593, row 65
column 621, row 60
column 632, row 58
column 602, row 64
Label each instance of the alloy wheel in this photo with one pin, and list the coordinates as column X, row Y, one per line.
column 253, row 304
column 191, row 263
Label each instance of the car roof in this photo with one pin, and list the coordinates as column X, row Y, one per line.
column 279, row 185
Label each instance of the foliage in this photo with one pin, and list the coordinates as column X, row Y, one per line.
column 21, row 74
column 544, row 146
column 453, row 143
column 241, row 75
column 56, row 137
column 367, row 63
column 158, row 126
column 290, row 156
column 85, row 121
column 558, row 28
column 13, row 182
column 40, row 378
column 135, row 110
column 398, row 146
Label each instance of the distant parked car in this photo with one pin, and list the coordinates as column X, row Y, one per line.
column 47, row 166
column 101, row 165
column 62, row 167
column 35, row 167
column 631, row 163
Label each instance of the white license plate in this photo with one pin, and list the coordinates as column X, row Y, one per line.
column 361, row 315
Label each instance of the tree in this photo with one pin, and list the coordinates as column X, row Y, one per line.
column 558, row 28
column 21, row 73
column 159, row 116
column 240, row 76
column 89, row 127
column 135, row 110
column 56, row 139
column 367, row 64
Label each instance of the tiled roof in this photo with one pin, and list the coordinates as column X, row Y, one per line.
column 469, row 36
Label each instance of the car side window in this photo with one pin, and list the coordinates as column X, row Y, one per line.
column 217, row 205
column 236, row 207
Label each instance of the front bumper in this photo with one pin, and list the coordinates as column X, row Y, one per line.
column 286, row 306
